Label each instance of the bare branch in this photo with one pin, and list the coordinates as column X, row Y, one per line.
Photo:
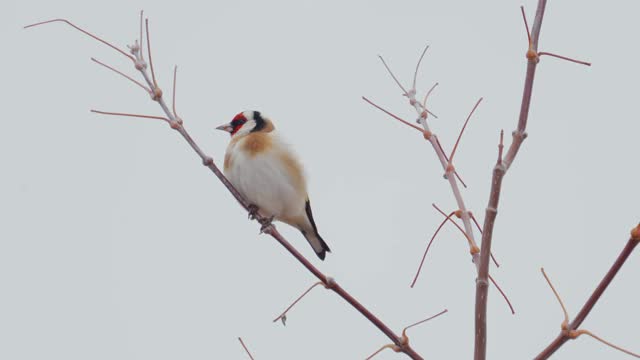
column 392, row 115
column 564, row 58
column 404, row 331
column 504, row 295
column 84, row 32
column 565, row 322
column 388, row 346
column 404, row 91
column 132, row 115
column 283, row 316
column 424, row 102
column 415, row 278
column 173, row 102
column 455, row 147
column 153, row 74
column 122, row 74
column 415, row 75
column 587, row 332
column 245, row 348
column 526, row 25
column 141, row 38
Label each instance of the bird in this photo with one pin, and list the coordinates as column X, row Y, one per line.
column 268, row 174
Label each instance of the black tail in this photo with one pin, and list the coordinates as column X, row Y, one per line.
column 316, row 241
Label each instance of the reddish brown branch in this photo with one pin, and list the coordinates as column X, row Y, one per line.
column 564, row 58
column 455, row 147
column 132, row 115
column 84, row 32
column 122, row 74
column 245, row 348
column 426, row 251
column 283, row 315
column 592, row 301
column 482, row 284
column 392, row 115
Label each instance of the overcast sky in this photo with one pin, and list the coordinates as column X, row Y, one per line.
column 116, row 243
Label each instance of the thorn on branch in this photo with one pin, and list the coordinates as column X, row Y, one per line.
column 84, row 32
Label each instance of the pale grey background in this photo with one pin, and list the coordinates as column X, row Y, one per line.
column 117, row 244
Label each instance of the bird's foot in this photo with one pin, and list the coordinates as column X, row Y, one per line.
column 253, row 211
column 266, row 224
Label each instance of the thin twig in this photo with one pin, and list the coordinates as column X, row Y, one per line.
column 564, row 58
column 283, row 316
column 388, row 346
column 587, row 332
column 122, row 74
column 415, row 75
column 424, row 102
column 404, row 91
column 472, row 245
column 424, row 256
column 404, row 331
column 392, row 115
column 504, row 296
column 84, row 32
column 565, row 322
column 526, row 25
column 245, row 348
column 173, row 102
column 153, row 74
column 455, row 147
column 141, row 37
column 132, row 115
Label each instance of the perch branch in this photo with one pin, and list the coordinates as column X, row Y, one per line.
column 175, row 123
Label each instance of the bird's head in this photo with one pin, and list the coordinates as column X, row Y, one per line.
column 247, row 122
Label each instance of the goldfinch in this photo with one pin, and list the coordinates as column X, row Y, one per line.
column 268, row 174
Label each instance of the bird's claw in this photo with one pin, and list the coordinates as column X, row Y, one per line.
column 266, row 224
column 253, row 211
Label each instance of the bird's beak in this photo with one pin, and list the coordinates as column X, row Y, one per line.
column 226, row 127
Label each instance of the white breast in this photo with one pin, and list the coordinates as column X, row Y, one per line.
column 263, row 179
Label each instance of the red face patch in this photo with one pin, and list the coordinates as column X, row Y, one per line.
column 237, row 122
